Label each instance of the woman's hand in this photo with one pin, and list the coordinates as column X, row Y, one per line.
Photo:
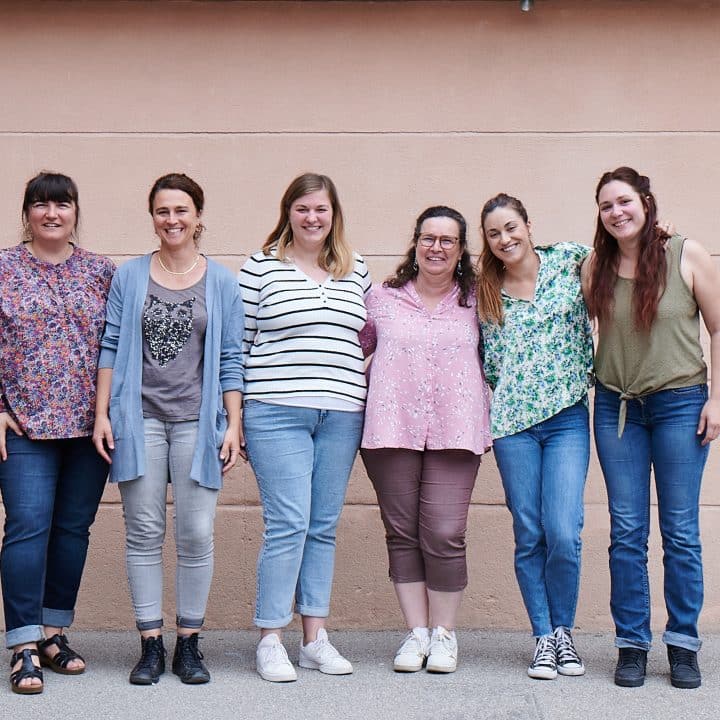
column 103, row 438
column 231, row 448
column 6, row 421
column 709, row 424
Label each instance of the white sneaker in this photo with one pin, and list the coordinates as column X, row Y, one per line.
column 413, row 652
column 271, row 660
column 442, row 657
column 321, row 655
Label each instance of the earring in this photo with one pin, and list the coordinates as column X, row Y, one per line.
column 458, row 269
column 27, row 232
column 415, row 265
column 198, row 232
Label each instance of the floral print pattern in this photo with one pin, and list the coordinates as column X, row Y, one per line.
column 52, row 318
column 539, row 361
column 426, row 387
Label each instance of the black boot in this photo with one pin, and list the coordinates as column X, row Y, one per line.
column 630, row 670
column 684, row 670
column 188, row 662
column 151, row 664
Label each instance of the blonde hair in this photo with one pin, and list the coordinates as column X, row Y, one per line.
column 336, row 256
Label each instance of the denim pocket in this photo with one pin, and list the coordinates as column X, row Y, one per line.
column 691, row 391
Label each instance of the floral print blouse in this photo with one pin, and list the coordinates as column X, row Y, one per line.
column 540, row 360
column 51, row 320
column 426, row 388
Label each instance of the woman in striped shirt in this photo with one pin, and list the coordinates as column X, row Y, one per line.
column 305, row 392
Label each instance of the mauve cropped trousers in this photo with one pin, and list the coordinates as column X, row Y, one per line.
column 424, row 498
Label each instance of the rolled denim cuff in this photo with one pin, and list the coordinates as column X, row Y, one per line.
column 185, row 622
column 684, row 641
column 22, row 635
column 57, row 618
column 142, row 625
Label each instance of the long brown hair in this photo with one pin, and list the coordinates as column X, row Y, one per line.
column 336, row 256
column 651, row 270
column 490, row 269
column 407, row 270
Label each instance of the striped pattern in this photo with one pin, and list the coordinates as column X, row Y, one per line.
column 301, row 337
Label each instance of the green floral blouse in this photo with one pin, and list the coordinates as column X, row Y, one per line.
column 540, row 360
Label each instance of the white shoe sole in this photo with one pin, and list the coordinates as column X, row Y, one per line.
column 433, row 668
column 312, row 665
column 407, row 667
column 542, row 673
column 277, row 677
column 571, row 671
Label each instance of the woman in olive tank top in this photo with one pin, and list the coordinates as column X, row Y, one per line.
column 652, row 410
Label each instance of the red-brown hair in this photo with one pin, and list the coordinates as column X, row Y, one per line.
column 651, row 269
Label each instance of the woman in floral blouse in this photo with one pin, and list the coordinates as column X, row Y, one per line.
column 426, row 426
column 52, row 311
column 539, row 362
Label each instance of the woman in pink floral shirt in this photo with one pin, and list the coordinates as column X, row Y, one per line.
column 426, row 426
column 52, row 312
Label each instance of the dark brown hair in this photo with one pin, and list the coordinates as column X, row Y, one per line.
column 180, row 181
column 651, row 269
column 50, row 187
column 407, row 270
column 491, row 271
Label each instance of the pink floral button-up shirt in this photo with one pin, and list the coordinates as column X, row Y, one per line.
column 426, row 385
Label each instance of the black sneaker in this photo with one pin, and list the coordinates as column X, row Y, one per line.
column 188, row 662
column 630, row 669
column 151, row 664
column 544, row 664
column 568, row 660
column 684, row 670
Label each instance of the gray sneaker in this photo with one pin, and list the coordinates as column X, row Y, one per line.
column 544, row 664
column 568, row 660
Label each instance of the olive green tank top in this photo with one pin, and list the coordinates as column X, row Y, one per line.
column 635, row 363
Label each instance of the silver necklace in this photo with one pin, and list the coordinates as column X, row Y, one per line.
column 184, row 272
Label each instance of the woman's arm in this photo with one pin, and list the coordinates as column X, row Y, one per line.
column 702, row 276
column 102, row 433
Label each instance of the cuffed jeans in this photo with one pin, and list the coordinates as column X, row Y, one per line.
column 302, row 459
column 660, row 431
column 51, row 490
column 543, row 472
column 169, row 449
column 424, row 498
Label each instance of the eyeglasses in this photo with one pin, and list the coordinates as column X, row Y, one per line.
column 446, row 241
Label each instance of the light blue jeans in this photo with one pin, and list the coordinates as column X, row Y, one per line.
column 169, row 448
column 660, row 431
column 302, row 459
column 543, row 472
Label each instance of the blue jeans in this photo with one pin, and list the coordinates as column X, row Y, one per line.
column 543, row 472
column 51, row 490
column 302, row 459
column 660, row 430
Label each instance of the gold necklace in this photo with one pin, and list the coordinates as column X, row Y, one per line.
column 184, row 272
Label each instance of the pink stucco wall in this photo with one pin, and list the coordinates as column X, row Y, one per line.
column 404, row 104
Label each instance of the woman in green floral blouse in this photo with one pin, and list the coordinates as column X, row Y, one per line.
column 538, row 361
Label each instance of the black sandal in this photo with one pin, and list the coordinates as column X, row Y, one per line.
column 25, row 671
column 64, row 655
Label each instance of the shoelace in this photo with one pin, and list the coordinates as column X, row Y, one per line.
column 151, row 653
column 412, row 644
column 631, row 658
column 276, row 653
column 325, row 650
column 566, row 652
column 545, row 652
column 445, row 641
column 683, row 656
column 190, row 652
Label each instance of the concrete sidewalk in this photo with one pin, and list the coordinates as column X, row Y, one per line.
column 489, row 683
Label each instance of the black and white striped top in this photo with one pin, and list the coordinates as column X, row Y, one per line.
column 301, row 337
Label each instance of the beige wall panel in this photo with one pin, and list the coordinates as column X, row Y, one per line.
column 363, row 596
column 299, row 66
column 384, row 182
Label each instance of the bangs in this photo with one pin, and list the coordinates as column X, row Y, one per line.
column 50, row 187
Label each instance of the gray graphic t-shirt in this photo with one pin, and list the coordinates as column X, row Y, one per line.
column 173, row 325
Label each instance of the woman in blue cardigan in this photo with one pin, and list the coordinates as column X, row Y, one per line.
column 168, row 408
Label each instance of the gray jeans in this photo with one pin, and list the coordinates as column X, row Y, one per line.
column 169, row 448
